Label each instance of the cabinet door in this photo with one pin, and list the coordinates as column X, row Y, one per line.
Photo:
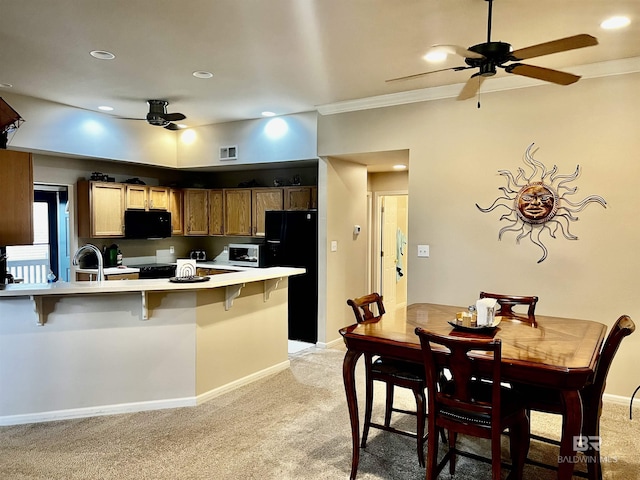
column 158, row 198
column 106, row 204
column 16, row 198
column 175, row 207
column 216, row 212
column 237, row 211
column 297, row 198
column 196, row 211
column 136, row 197
column 264, row 199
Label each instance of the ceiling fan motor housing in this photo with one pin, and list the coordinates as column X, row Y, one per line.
column 157, row 112
column 495, row 54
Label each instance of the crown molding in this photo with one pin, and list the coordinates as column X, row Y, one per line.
column 594, row 70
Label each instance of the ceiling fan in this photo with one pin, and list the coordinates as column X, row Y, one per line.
column 159, row 117
column 489, row 56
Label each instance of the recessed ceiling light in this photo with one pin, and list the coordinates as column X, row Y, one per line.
column 615, row 22
column 181, row 125
column 102, row 55
column 5, row 85
column 105, row 108
column 268, row 114
column 399, row 167
column 202, row 74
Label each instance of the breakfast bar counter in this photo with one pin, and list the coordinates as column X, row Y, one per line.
column 80, row 349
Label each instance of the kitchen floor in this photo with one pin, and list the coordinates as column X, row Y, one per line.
column 296, row 346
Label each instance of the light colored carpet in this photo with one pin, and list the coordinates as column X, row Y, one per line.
column 293, row 425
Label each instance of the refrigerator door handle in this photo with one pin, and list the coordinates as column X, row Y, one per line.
column 273, row 241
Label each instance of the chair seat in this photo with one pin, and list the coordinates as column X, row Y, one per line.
column 511, row 404
column 399, row 369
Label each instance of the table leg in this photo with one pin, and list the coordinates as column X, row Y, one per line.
column 571, row 427
column 348, row 372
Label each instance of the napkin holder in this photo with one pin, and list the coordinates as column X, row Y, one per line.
column 486, row 311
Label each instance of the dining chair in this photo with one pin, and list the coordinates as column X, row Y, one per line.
column 394, row 373
column 507, row 302
column 550, row 401
column 467, row 405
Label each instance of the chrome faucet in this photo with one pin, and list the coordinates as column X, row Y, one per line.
column 95, row 250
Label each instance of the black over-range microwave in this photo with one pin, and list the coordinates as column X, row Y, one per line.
column 143, row 224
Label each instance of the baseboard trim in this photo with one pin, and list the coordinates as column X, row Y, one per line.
column 102, row 410
column 330, row 344
column 620, row 400
column 133, row 407
column 216, row 392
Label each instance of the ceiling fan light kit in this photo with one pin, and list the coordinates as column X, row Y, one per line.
column 487, row 57
column 159, row 117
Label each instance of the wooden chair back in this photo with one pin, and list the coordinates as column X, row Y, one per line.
column 507, row 302
column 363, row 307
column 592, row 394
column 457, row 393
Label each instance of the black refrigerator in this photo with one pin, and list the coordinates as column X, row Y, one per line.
column 292, row 241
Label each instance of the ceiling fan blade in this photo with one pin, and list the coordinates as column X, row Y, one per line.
column 471, row 87
column 172, row 126
column 541, row 73
column 418, row 75
column 457, row 50
column 173, row 117
column 554, row 46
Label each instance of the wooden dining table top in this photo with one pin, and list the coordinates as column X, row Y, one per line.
column 552, row 352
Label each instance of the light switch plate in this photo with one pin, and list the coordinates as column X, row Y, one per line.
column 334, row 245
column 423, row 250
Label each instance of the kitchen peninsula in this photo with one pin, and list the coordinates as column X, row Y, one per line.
column 81, row 349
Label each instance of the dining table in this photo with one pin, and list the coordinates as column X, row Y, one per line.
column 545, row 351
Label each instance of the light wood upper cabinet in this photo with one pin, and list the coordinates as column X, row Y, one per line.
column 196, row 211
column 100, row 209
column 176, row 209
column 142, row 197
column 297, row 198
column 16, row 198
column 216, row 212
column 237, row 211
column 263, row 199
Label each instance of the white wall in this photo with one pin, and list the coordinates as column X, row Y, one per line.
column 56, row 128
column 200, row 146
column 456, row 151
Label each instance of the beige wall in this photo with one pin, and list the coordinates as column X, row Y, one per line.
column 346, row 206
column 456, row 151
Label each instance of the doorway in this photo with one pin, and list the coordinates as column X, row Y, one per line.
column 390, row 266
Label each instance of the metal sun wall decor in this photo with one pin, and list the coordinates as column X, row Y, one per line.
column 539, row 202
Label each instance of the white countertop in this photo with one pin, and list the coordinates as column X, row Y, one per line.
column 245, row 275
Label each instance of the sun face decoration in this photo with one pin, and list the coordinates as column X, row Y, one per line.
column 539, row 202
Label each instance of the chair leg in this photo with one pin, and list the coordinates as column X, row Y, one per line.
column 453, row 437
column 519, row 440
column 389, row 404
column 368, row 401
column 592, row 428
column 420, row 414
column 432, row 450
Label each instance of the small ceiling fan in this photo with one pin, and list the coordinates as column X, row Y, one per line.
column 159, row 117
column 489, row 56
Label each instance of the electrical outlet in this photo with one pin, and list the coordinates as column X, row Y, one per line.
column 171, row 249
column 334, row 245
column 423, row 250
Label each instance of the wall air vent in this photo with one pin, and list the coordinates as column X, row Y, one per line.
column 229, row 153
